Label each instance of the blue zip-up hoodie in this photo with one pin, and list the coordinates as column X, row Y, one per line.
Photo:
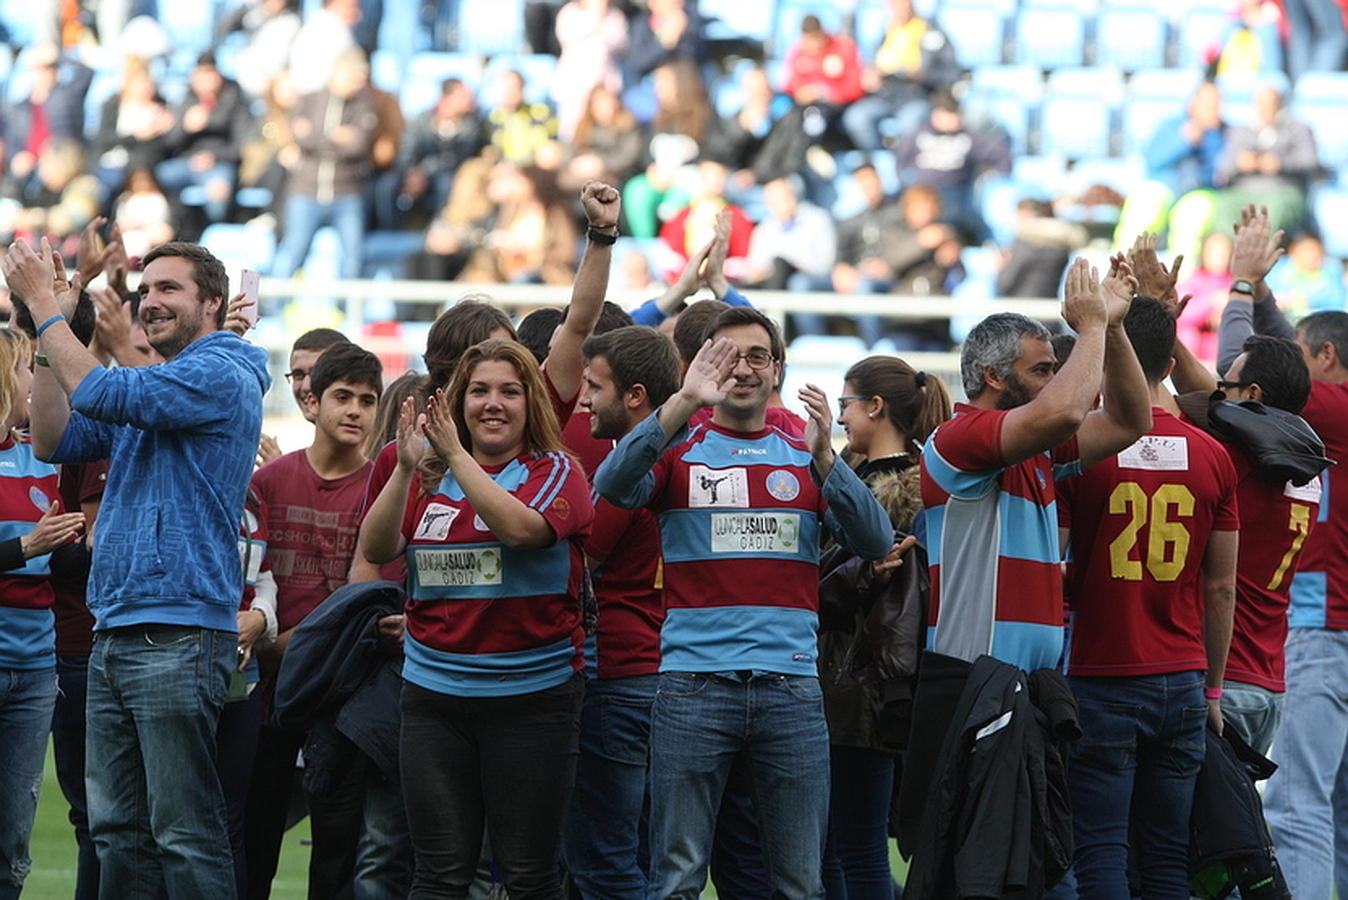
column 182, row 438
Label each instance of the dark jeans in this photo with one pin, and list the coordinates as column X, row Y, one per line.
column 856, row 857
column 362, row 849
column 1136, row 766
column 67, row 736
column 236, row 747
column 268, row 806
column 503, row 763
column 738, row 869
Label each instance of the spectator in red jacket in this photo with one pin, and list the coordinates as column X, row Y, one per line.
column 823, row 76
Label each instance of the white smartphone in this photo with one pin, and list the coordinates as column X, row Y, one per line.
column 248, row 282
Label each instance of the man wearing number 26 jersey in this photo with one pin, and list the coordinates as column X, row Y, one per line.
column 1152, row 581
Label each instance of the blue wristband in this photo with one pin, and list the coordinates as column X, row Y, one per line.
column 49, row 323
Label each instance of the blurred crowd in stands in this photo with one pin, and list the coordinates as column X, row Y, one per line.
column 859, row 146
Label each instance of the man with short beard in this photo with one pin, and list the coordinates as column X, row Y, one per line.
column 988, row 474
column 166, row 575
column 629, row 373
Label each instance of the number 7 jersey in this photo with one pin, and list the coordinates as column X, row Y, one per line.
column 1140, row 523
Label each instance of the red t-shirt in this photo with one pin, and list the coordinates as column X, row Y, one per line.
column 837, row 70
column 1275, row 518
column 1140, row 522
column 1320, row 589
column 79, row 484
column 485, row 619
column 313, row 525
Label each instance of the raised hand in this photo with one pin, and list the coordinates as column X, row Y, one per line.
column 709, row 377
column 440, row 429
column 1153, row 279
column 819, row 425
column 1082, row 305
column 602, row 204
column 1256, row 250
column 53, row 530
column 67, row 291
column 267, row 449
column 1118, row 289
column 28, row 274
column 411, row 444
column 714, row 274
column 235, row 319
column 92, row 253
column 115, row 261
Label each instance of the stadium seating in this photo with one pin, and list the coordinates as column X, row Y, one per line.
column 978, row 33
column 425, row 73
column 1131, row 38
column 1050, row 37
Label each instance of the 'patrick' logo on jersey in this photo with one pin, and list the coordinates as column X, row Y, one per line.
column 783, row 485
column 39, row 499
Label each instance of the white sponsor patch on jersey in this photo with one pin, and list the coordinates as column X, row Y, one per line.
column 1159, row 452
column 1308, row 493
column 435, row 522
column 437, row 567
column 755, row 532
column 718, row 487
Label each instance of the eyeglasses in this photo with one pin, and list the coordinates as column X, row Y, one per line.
column 757, row 359
column 298, row 374
column 1223, row 385
column 846, row 399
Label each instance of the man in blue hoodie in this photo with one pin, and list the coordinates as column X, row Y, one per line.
column 166, row 575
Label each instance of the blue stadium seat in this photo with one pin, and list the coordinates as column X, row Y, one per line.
column 1074, row 127
column 1008, row 112
column 824, row 350
column 996, row 197
column 386, row 70
column 1050, row 37
column 738, row 18
column 1130, row 38
column 1026, row 82
column 1164, row 84
column 978, row 33
column 1102, row 83
column 1329, row 205
column 189, row 25
column 425, row 72
column 786, row 30
column 1142, row 115
column 240, row 246
column 1328, row 121
column 18, row 17
column 1047, row 174
column 1323, row 86
column 1118, row 172
column 1201, row 32
column 537, row 69
column 491, row 26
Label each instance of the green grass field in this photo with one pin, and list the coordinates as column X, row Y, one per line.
column 53, row 852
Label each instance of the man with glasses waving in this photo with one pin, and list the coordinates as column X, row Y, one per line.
column 741, row 506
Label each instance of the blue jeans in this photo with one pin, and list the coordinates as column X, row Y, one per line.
column 1137, row 764
column 1254, row 712
column 156, row 809
column 856, row 859
column 67, row 738
column 305, row 215
column 1306, row 803
column 700, row 723
column 604, row 843
column 27, row 698
column 177, row 173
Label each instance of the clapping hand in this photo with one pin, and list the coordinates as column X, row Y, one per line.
column 440, row 429
column 710, row 375
column 54, row 529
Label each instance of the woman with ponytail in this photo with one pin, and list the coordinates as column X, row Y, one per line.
column 887, row 410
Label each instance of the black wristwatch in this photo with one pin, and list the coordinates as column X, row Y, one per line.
column 602, row 237
column 1242, row 286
